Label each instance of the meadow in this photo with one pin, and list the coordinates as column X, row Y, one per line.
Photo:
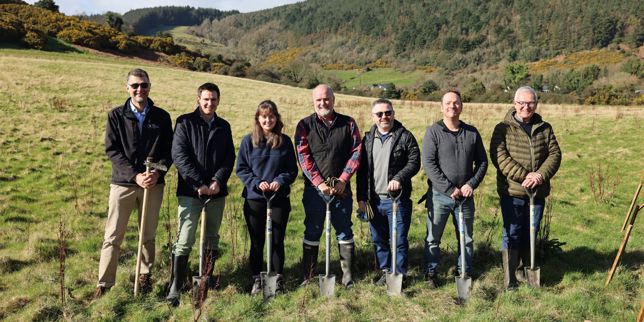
column 54, row 177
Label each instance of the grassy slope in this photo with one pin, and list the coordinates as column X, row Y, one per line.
column 354, row 78
column 53, row 165
column 181, row 37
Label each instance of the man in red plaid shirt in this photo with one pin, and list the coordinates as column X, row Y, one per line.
column 328, row 151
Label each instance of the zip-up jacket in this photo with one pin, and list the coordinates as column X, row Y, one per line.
column 404, row 162
column 514, row 153
column 262, row 163
column 452, row 161
column 325, row 152
column 128, row 149
column 202, row 153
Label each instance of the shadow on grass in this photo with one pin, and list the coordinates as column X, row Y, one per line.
column 19, row 219
column 10, row 265
column 586, row 261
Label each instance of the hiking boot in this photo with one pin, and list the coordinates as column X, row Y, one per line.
column 432, row 280
column 347, row 252
column 100, row 291
column 257, row 285
column 145, row 283
column 382, row 280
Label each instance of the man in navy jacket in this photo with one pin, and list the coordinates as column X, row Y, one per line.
column 203, row 152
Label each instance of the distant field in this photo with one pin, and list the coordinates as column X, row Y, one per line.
column 359, row 78
column 53, row 167
column 181, row 37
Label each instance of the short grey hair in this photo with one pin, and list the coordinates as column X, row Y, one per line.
column 526, row 89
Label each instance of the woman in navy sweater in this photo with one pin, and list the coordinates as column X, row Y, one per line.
column 266, row 163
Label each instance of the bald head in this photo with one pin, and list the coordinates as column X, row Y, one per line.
column 323, row 101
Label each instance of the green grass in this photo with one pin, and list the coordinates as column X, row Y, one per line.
column 181, row 37
column 358, row 78
column 53, row 165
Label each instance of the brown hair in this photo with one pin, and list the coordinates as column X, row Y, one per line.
column 274, row 138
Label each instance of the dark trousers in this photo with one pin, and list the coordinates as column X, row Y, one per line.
column 255, row 215
column 516, row 221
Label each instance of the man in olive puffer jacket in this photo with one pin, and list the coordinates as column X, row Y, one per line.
column 526, row 154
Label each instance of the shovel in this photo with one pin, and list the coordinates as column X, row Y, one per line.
column 196, row 280
column 533, row 273
column 327, row 281
column 149, row 166
column 268, row 278
column 394, row 280
column 463, row 282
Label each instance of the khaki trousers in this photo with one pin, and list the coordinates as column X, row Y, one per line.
column 122, row 201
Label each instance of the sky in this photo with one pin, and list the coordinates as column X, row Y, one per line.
column 75, row 7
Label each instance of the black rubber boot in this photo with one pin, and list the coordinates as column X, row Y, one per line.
column 309, row 262
column 179, row 273
column 347, row 252
column 510, row 263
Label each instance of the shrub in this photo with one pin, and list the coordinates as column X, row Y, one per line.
column 634, row 66
column 428, row 87
column 11, row 28
column 35, row 39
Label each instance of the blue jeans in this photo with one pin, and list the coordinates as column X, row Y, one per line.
column 516, row 221
column 315, row 211
column 381, row 228
column 444, row 206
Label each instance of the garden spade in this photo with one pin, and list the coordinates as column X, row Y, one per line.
column 463, row 282
column 533, row 273
column 394, row 279
column 196, row 280
column 268, row 278
column 149, row 167
column 327, row 281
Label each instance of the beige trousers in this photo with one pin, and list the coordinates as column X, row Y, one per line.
column 122, row 201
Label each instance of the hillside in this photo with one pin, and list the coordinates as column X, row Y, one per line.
column 145, row 21
column 453, row 39
column 448, row 34
column 54, row 182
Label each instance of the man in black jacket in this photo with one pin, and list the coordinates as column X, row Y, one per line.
column 135, row 131
column 390, row 158
column 203, row 152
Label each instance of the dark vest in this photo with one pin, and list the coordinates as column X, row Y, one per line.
column 330, row 147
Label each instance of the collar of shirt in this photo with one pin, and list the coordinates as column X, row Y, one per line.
column 383, row 136
column 140, row 116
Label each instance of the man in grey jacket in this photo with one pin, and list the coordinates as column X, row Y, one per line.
column 455, row 162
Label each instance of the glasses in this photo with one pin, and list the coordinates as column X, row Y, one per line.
column 529, row 104
column 385, row 113
column 136, row 85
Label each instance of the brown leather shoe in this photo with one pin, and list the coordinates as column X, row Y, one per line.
column 145, row 283
column 100, row 291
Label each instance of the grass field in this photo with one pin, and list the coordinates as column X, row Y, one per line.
column 359, row 78
column 53, row 169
